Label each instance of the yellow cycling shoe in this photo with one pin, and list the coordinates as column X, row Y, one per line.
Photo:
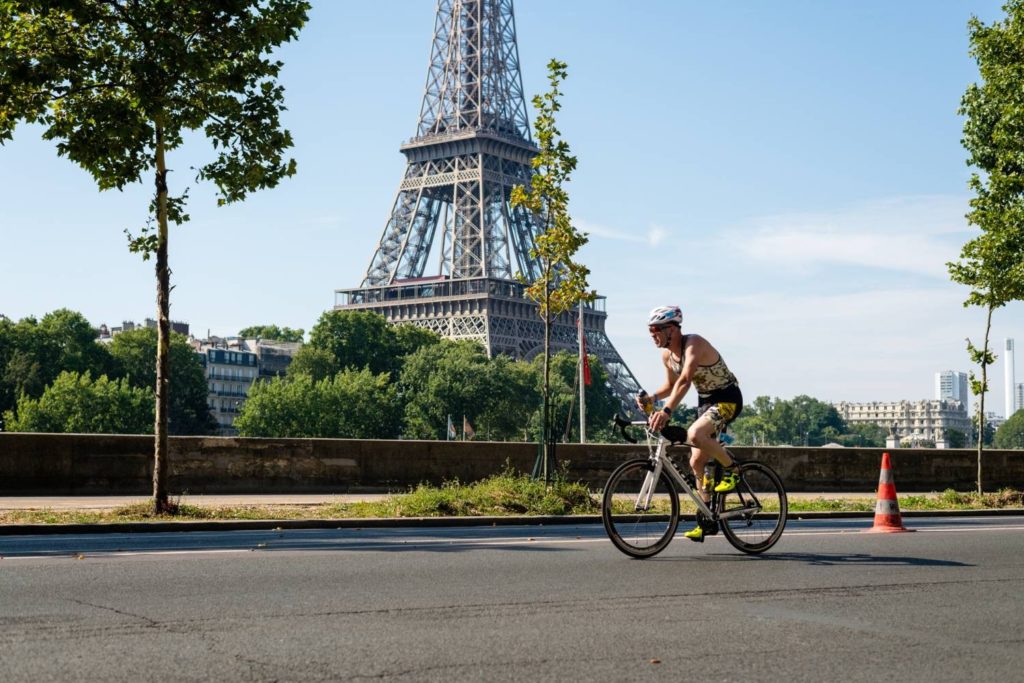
column 695, row 534
column 728, row 483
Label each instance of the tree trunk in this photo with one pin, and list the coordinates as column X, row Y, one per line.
column 984, row 388
column 163, row 309
column 545, row 450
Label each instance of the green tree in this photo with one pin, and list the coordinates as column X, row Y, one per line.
column 272, row 332
column 75, row 403
column 864, row 435
column 754, row 426
column 992, row 262
column 510, row 407
column 988, row 434
column 601, row 404
column 33, row 352
column 68, row 342
column 134, row 350
column 562, row 283
column 1011, row 433
column 955, row 438
column 802, row 421
column 356, row 339
column 354, row 404
column 317, row 364
column 119, row 83
column 411, row 338
column 451, row 377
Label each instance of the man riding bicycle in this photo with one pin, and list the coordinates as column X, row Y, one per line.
column 690, row 360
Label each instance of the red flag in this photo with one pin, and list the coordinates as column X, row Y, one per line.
column 583, row 355
column 467, row 429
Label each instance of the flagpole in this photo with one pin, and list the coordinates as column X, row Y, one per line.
column 583, row 359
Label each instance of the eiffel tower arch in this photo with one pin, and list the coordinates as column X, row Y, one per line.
column 472, row 146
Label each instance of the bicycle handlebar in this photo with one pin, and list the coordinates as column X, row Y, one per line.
column 674, row 434
column 622, row 423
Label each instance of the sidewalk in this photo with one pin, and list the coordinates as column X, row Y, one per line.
column 234, row 500
column 280, row 499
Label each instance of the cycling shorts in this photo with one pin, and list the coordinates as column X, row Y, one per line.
column 722, row 406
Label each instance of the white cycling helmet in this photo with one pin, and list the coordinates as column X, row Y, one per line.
column 663, row 315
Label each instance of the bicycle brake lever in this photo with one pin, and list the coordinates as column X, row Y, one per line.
column 622, row 423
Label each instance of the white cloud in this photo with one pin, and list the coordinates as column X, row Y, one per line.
column 910, row 234
column 655, row 235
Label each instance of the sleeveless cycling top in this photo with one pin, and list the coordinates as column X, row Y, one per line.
column 708, row 379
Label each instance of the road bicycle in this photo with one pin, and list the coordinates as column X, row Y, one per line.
column 641, row 508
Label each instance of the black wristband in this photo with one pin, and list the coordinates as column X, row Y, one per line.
column 668, row 411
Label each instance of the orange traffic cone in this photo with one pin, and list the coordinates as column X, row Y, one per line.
column 887, row 509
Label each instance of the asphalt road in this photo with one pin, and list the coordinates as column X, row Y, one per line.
column 515, row 603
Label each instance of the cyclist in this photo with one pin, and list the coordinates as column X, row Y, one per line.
column 690, row 360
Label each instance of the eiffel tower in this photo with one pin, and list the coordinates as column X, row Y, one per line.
column 472, row 145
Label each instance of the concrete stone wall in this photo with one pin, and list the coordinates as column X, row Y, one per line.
column 96, row 464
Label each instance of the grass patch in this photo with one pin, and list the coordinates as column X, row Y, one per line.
column 954, row 500
column 831, row 505
column 508, row 493
column 505, row 494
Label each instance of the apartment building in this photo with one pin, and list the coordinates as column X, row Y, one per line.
column 232, row 366
column 913, row 421
column 230, row 372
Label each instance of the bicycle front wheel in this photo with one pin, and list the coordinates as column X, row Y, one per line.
column 640, row 513
column 754, row 514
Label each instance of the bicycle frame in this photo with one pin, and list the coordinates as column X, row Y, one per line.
column 660, row 459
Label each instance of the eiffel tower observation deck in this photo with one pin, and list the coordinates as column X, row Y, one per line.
column 472, row 146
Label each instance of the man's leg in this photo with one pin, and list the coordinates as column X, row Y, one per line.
column 704, row 435
column 704, row 432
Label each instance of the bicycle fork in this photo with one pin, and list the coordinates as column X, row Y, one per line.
column 643, row 499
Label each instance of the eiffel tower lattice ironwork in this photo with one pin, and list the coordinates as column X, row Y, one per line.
column 472, row 146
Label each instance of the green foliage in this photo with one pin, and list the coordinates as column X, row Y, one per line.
column 988, row 435
column 801, row 421
column 272, row 332
column 34, row 352
column 955, row 438
column 451, row 378
column 1011, row 433
column 102, row 77
column 354, row 404
column 992, row 263
column 863, row 435
column 317, row 364
column 410, row 338
column 562, row 282
column 601, row 404
column 507, row 493
column 360, row 339
column 75, row 403
column 133, row 352
column 118, row 84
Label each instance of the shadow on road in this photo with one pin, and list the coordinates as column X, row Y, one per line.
column 864, row 559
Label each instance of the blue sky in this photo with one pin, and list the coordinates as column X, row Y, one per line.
column 790, row 173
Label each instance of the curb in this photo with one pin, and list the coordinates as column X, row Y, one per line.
column 414, row 522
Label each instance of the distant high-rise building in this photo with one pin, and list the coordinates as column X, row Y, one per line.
column 1020, row 396
column 1008, row 376
column 1009, row 379
column 951, row 385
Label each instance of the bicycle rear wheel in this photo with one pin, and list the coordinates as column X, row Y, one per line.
column 753, row 516
column 639, row 525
